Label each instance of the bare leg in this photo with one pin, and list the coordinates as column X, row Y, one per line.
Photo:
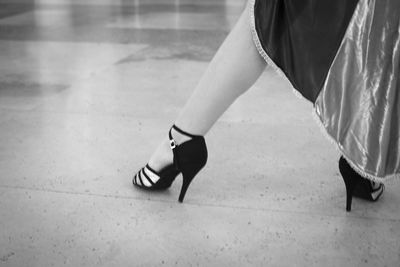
column 233, row 70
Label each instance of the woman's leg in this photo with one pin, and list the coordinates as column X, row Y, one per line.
column 233, row 70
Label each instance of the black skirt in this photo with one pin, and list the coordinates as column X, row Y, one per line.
column 302, row 37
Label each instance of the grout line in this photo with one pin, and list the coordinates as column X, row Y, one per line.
column 196, row 203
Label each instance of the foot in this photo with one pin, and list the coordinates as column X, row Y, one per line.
column 369, row 190
column 160, row 172
column 365, row 188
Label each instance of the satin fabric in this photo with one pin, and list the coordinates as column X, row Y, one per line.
column 359, row 105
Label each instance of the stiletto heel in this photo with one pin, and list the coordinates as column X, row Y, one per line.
column 188, row 175
column 349, row 181
column 349, row 196
column 185, row 185
column 189, row 158
column 358, row 186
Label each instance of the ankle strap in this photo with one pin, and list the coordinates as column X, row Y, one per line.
column 172, row 142
column 183, row 132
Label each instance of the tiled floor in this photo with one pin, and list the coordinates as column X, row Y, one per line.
column 89, row 87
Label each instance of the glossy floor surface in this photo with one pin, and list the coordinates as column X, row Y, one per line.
column 89, row 87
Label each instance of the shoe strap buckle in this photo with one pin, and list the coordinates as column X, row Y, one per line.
column 173, row 144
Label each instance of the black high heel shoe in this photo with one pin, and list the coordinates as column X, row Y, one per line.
column 189, row 158
column 358, row 186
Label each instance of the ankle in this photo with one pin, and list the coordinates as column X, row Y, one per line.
column 163, row 155
column 178, row 137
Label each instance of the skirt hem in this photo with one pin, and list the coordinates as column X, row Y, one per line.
column 332, row 140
